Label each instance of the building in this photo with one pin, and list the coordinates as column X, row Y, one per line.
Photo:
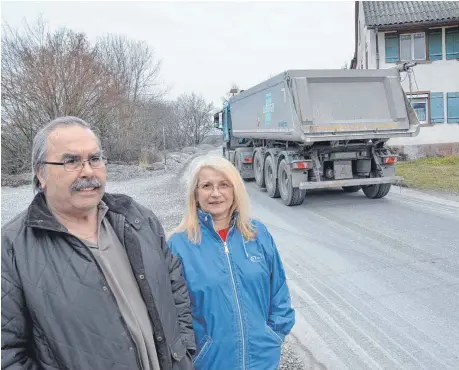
column 427, row 32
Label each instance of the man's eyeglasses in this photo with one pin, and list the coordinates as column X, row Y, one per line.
column 72, row 164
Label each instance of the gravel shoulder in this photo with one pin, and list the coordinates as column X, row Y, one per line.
column 163, row 191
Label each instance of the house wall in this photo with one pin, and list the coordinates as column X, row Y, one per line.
column 439, row 76
column 362, row 41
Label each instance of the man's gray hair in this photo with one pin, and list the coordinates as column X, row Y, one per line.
column 39, row 146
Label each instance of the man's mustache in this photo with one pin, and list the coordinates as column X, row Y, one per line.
column 81, row 184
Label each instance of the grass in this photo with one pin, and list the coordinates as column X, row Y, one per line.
column 143, row 163
column 432, row 173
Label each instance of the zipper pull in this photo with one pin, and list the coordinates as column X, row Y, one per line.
column 226, row 248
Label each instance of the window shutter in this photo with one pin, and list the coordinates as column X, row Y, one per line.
column 435, row 45
column 391, row 46
column 452, row 44
column 437, row 112
column 453, row 107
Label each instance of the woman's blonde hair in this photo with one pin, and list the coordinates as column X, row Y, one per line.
column 241, row 203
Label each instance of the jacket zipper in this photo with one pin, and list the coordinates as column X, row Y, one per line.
column 237, row 303
column 200, row 352
column 225, row 245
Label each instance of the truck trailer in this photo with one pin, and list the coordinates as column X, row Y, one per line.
column 318, row 129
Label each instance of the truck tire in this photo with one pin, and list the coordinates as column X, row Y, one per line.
column 291, row 196
column 376, row 191
column 383, row 190
column 351, row 189
column 258, row 170
column 272, row 186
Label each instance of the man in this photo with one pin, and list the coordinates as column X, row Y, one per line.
column 87, row 279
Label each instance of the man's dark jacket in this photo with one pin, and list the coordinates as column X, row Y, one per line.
column 58, row 311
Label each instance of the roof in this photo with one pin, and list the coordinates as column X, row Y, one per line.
column 398, row 13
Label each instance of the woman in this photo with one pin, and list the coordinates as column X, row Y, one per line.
column 239, row 296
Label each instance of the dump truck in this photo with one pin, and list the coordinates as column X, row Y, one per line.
column 318, row 129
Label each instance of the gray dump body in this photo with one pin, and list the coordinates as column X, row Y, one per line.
column 321, row 105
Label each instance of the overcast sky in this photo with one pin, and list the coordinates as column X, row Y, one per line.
column 207, row 46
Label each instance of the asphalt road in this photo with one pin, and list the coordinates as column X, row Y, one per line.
column 375, row 283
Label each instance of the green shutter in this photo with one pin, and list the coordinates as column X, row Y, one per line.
column 437, row 111
column 391, row 47
column 453, row 107
column 452, row 43
column 435, row 45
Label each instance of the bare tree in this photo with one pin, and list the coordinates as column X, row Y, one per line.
column 135, row 72
column 45, row 75
column 193, row 117
column 113, row 84
column 48, row 74
column 132, row 65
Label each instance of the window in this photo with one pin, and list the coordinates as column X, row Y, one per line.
column 453, row 107
column 407, row 47
column 452, row 43
column 413, row 46
column 420, row 104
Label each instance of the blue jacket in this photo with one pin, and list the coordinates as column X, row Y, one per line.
column 239, row 297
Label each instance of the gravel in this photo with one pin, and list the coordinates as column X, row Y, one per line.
column 162, row 191
column 119, row 171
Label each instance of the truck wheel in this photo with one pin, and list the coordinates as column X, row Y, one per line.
column 351, row 189
column 258, row 170
column 383, row 190
column 376, row 191
column 290, row 195
column 270, row 180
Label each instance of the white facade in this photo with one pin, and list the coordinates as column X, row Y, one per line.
column 439, row 76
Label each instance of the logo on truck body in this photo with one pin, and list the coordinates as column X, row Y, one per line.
column 268, row 108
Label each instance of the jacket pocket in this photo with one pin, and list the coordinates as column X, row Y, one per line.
column 274, row 334
column 178, row 350
column 204, row 346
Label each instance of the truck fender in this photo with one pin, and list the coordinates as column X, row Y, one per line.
column 260, row 149
column 297, row 176
column 244, row 152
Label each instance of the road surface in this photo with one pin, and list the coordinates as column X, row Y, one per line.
column 375, row 283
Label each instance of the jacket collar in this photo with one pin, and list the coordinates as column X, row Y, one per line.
column 40, row 216
column 206, row 219
column 125, row 206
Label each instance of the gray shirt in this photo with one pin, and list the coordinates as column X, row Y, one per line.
column 115, row 265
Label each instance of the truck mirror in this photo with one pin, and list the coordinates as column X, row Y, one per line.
column 218, row 120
